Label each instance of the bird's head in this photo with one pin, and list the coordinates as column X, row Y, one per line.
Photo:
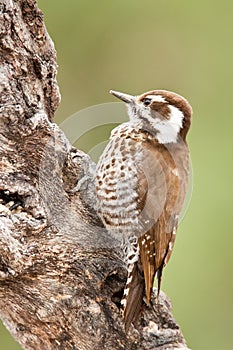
column 164, row 114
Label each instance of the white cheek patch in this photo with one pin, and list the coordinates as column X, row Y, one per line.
column 176, row 117
column 168, row 130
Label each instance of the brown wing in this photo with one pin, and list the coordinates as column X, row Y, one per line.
column 161, row 192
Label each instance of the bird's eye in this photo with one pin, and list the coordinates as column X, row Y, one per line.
column 146, row 101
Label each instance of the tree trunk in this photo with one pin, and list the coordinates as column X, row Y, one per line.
column 60, row 276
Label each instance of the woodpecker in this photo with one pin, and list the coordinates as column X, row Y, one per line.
column 141, row 182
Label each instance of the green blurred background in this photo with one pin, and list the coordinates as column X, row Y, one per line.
column 184, row 46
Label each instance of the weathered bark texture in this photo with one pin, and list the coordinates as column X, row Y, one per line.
column 59, row 273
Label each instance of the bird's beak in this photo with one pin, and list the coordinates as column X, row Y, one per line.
column 124, row 97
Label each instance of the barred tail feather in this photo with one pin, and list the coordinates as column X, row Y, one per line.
column 133, row 296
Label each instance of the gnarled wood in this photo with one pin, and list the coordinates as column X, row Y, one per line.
column 59, row 272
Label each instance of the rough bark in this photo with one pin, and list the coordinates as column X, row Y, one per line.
column 60, row 276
